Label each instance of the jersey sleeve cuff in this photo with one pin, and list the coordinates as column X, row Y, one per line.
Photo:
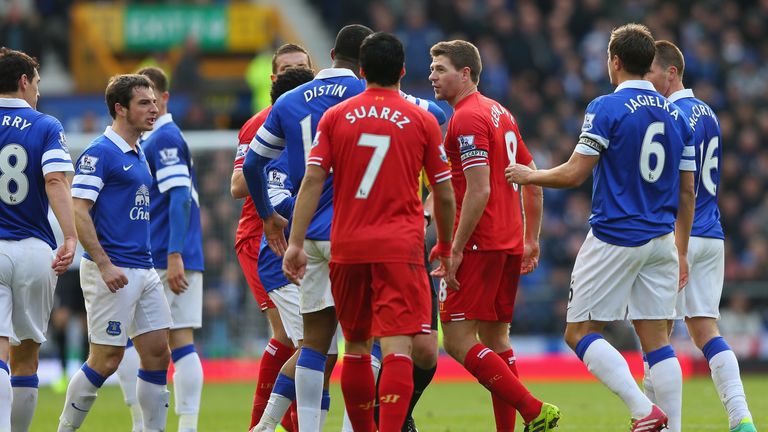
column 687, row 165
column 586, row 150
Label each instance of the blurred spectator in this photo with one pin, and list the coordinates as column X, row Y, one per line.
column 741, row 325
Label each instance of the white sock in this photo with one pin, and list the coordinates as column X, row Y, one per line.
column 81, row 394
column 23, row 408
column 346, row 426
column 605, row 363
column 309, row 391
column 725, row 374
column 276, row 408
column 6, row 399
column 667, row 380
column 127, row 374
column 153, row 398
column 647, row 383
column 187, row 388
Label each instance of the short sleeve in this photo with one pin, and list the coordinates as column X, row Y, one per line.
column 169, row 157
column 435, row 159
column 269, row 141
column 595, row 130
column 473, row 141
column 688, row 159
column 56, row 157
column 90, row 175
column 321, row 154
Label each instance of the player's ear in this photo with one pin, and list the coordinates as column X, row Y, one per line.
column 362, row 73
column 333, row 54
column 165, row 96
column 402, row 72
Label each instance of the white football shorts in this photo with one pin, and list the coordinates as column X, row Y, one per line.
column 286, row 300
column 612, row 283
column 315, row 290
column 706, row 270
column 137, row 308
column 187, row 307
column 27, row 284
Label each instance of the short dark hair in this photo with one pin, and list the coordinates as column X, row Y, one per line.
column 289, row 80
column 287, row 49
column 634, row 45
column 348, row 41
column 668, row 54
column 120, row 90
column 461, row 54
column 14, row 64
column 381, row 58
column 157, row 76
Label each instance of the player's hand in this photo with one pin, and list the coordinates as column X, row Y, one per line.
column 683, row 281
column 530, row 258
column 274, row 227
column 64, row 256
column 113, row 277
column 177, row 280
column 294, row 264
column 516, row 173
column 447, row 269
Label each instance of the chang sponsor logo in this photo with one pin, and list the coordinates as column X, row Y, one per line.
column 140, row 209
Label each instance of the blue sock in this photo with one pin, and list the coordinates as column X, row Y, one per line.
column 585, row 342
column 178, row 353
column 4, row 366
column 25, row 381
column 311, row 359
column 325, row 403
column 715, row 346
column 376, row 351
column 663, row 353
column 94, row 377
column 285, row 386
column 159, row 377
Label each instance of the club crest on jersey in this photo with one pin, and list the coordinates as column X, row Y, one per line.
column 139, row 211
column 587, row 121
column 276, row 179
column 443, row 156
column 88, row 164
column 466, row 143
column 113, row 328
column 63, row 141
column 169, row 156
column 242, row 149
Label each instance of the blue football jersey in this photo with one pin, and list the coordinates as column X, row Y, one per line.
column 117, row 179
column 170, row 163
column 291, row 125
column 708, row 141
column 643, row 141
column 32, row 144
column 281, row 194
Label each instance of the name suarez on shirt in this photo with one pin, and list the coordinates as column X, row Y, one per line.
column 383, row 113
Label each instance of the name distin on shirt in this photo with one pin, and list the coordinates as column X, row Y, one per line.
column 385, row 113
column 18, row 122
column 654, row 101
column 329, row 89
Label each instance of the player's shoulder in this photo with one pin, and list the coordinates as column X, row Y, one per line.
column 252, row 125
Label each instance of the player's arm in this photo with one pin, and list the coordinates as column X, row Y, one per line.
column 684, row 222
column 237, row 186
column 60, row 199
column 86, row 231
column 179, row 210
column 533, row 204
column 428, row 105
column 475, row 199
column 304, row 209
column 568, row 175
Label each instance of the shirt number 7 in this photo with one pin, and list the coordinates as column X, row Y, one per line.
column 380, row 143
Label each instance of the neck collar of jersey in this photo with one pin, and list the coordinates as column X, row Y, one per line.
column 160, row 122
column 680, row 94
column 335, row 72
column 635, row 84
column 117, row 140
column 14, row 103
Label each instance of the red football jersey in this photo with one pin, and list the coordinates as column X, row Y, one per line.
column 250, row 224
column 482, row 132
column 377, row 143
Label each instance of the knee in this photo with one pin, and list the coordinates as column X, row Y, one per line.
column 573, row 335
column 107, row 364
column 424, row 352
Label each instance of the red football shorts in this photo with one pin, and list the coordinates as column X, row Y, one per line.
column 488, row 288
column 381, row 299
column 248, row 255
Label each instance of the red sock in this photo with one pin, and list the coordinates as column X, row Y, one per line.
column 493, row 373
column 290, row 420
column 275, row 355
column 504, row 412
column 359, row 389
column 395, row 389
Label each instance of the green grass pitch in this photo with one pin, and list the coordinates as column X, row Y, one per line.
column 448, row 407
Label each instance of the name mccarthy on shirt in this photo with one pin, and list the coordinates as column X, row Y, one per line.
column 382, row 113
column 654, row 101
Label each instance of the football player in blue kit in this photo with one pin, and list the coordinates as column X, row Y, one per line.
column 639, row 148
column 34, row 162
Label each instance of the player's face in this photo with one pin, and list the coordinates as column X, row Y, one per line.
column 290, row 60
column 32, row 91
column 658, row 77
column 445, row 78
column 142, row 110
